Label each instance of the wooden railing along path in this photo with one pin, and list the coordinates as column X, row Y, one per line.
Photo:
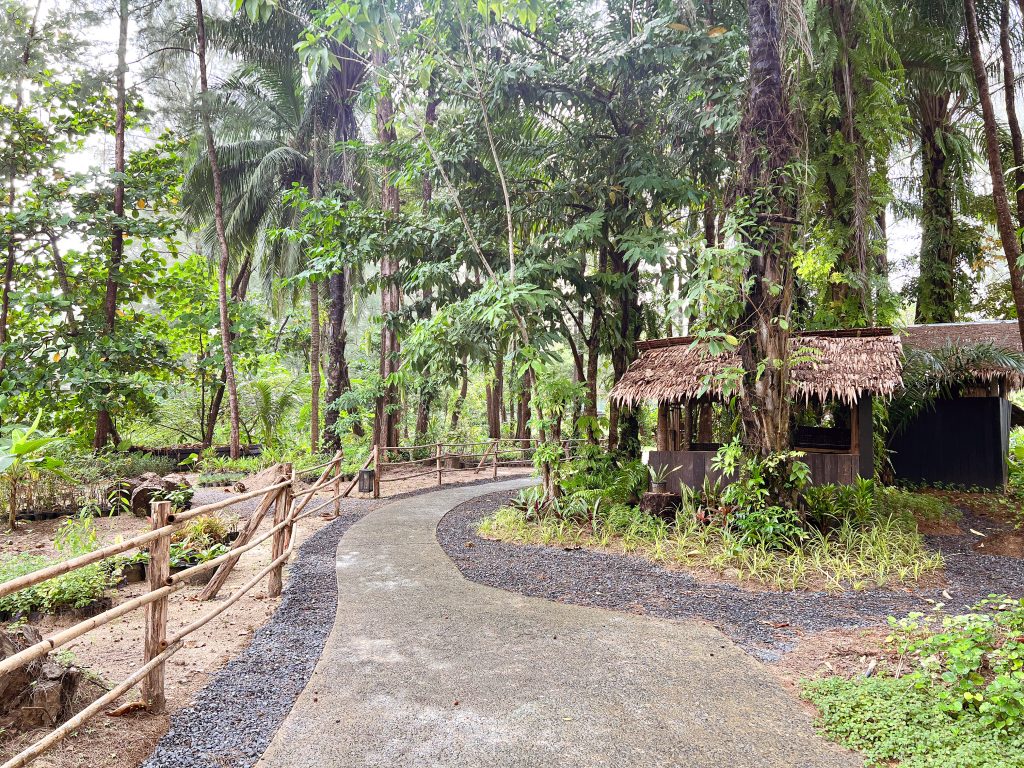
column 290, row 505
column 452, row 457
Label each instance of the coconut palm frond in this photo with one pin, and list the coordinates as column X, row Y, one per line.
column 930, row 375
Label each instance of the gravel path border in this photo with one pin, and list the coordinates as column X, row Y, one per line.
column 232, row 720
column 766, row 624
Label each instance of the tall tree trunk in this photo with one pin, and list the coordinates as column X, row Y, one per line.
column 426, row 394
column 936, row 286
column 1007, row 231
column 767, row 146
column 461, row 397
column 104, row 422
column 344, row 84
column 314, row 311
column 1010, row 97
column 218, row 216
column 314, row 366
column 9, row 261
column 623, row 424
column 385, row 430
column 239, row 288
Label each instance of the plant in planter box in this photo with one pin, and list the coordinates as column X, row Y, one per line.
column 659, row 477
column 184, row 554
column 180, row 497
column 23, row 460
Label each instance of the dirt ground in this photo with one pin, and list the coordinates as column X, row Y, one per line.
column 112, row 652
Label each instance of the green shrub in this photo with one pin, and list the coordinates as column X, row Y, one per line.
column 180, row 497
column 211, row 479
column 76, row 589
column 920, row 506
column 202, row 532
column 974, row 663
column 960, row 703
column 893, row 720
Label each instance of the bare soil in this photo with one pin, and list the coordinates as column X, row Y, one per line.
column 1006, row 544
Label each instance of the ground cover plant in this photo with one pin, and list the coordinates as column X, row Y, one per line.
column 839, row 537
column 77, row 589
column 951, row 695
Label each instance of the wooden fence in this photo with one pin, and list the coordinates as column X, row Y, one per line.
column 437, row 459
column 289, row 505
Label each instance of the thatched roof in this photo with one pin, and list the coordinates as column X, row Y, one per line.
column 845, row 365
column 1004, row 334
column 1001, row 334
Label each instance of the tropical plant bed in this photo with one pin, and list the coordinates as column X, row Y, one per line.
column 766, row 622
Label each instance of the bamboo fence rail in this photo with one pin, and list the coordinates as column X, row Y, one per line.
column 289, row 506
column 449, row 457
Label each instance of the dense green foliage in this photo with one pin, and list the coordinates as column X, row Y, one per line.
column 835, row 537
column 956, row 698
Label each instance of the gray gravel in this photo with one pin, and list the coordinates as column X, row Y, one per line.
column 233, row 719
column 764, row 623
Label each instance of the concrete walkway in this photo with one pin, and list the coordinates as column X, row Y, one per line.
column 424, row 668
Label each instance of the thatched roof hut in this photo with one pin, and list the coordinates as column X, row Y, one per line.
column 1001, row 334
column 829, row 365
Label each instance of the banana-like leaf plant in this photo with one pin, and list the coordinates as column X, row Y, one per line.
column 23, row 458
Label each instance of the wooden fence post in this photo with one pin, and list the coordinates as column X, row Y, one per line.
column 494, row 459
column 337, row 486
column 156, row 612
column 376, row 471
column 282, row 511
column 437, row 455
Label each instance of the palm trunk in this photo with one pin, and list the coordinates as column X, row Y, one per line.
column 623, row 424
column 1004, row 221
column 343, row 86
column 314, row 366
column 1010, row 97
column 936, row 286
column 314, row 313
column 218, row 216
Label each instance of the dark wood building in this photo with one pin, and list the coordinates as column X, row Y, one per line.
column 961, row 438
column 833, row 377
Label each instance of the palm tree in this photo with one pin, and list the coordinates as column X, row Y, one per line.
column 268, row 139
column 327, row 125
column 939, row 96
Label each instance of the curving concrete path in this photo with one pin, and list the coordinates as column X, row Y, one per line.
column 424, row 668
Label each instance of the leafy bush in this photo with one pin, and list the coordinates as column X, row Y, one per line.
column 892, row 720
column 208, row 480
column 202, row 532
column 180, row 497
column 960, row 704
column 755, row 498
column 90, row 468
column 920, row 506
column 76, row 589
column 975, row 664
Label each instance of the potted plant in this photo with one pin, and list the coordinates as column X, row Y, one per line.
column 659, row 477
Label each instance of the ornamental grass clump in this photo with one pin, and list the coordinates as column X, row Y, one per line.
column 828, row 537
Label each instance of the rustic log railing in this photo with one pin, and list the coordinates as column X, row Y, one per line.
column 289, row 506
column 439, row 458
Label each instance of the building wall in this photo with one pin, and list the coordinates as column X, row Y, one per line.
column 961, row 441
